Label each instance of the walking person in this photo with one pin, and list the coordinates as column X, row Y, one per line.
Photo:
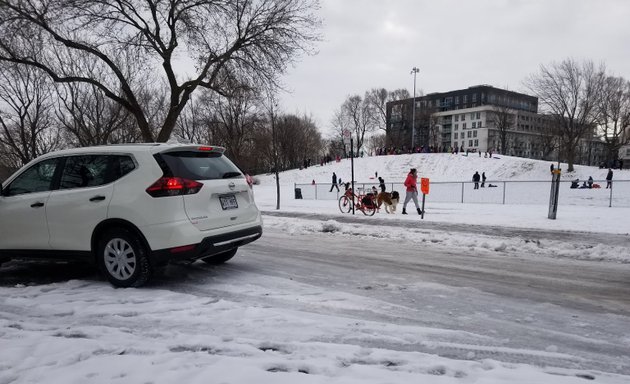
column 381, row 183
column 475, row 179
column 334, row 183
column 411, row 183
column 483, row 179
column 609, row 177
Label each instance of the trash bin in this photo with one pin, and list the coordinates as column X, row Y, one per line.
column 298, row 193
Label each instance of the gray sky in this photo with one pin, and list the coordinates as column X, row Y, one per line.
column 455, row 43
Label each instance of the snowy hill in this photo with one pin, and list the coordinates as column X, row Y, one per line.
column 439, row 167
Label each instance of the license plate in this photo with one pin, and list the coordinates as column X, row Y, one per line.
column 228, row 202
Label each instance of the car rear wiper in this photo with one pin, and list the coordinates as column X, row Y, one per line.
column 229, row 175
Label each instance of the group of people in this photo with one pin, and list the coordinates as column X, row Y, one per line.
column 381, row 151
column 411, row 186
column 575, row 184
column 476, row 179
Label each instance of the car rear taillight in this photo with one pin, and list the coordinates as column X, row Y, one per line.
column 173, row 186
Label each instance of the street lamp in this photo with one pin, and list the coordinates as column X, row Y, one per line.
column 415, row 70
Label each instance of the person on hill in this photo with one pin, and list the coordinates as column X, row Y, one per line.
column 590, row 182
column 609, row 177
column 483, row 179
column 411, row 183
column 475, row 179
column 334, row 182
column 575, row 184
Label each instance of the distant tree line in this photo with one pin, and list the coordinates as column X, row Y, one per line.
column 38, row 116
column 79, row 73
column 365, row 119
column 583, row 101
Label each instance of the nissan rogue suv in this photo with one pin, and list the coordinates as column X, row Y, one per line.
column 130, row 208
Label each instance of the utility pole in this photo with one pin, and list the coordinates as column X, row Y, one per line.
column 414, row 70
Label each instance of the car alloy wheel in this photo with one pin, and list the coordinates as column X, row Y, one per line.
column 120, row 259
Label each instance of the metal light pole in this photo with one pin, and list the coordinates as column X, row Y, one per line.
column 414, row 70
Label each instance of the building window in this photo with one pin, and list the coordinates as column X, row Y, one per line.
column 463, row 125
column 470, row 143
column 456, row 99
column 456, row 117
column 456, row 134
column 478, row 115
column 474, row 133
column 463, row 116
column 456, row 126
column 474, row 98
column 474, row 125
column 472, row 116
column 465, row 99
column 476, row 143
column 469, row 134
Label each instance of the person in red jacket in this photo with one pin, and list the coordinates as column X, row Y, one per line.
column 411, row 183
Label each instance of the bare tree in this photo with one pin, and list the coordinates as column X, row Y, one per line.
column 90, row 118
column 358, row 116
column 193, row 125
column 547, row 138
column 255, row 39
column 502, row 119
column 569, row 91
column 433, row 131
column 340, row 125
column 298, row 140
column 233, row 121
column 27, row 126
column 377, row 99
column 614, row 115
column 376, row 141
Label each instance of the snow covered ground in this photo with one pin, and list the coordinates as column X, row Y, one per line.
column 250, row 321
column 575, row 212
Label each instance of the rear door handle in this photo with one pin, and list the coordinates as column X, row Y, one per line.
column 97, row 198
column 39, row 204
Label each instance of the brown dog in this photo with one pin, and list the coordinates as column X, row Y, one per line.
column 389, row 199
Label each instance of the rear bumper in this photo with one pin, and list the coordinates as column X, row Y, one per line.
column 209, row 246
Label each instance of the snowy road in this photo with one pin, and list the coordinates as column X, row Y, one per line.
column 320, row 298
column 511, row 304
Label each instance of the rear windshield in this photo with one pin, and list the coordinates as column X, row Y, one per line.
column 197, row 165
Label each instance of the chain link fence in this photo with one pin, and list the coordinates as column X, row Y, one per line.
column 493, row 192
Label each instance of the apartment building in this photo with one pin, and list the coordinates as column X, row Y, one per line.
column 476, row 119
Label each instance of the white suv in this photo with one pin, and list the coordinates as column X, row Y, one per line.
column 130, row 208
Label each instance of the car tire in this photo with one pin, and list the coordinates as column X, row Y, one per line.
column 122, row 258
column 220, row 258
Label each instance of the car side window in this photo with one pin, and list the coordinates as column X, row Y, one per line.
column 37, row 178
column 84, row 171
column 122, row 165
